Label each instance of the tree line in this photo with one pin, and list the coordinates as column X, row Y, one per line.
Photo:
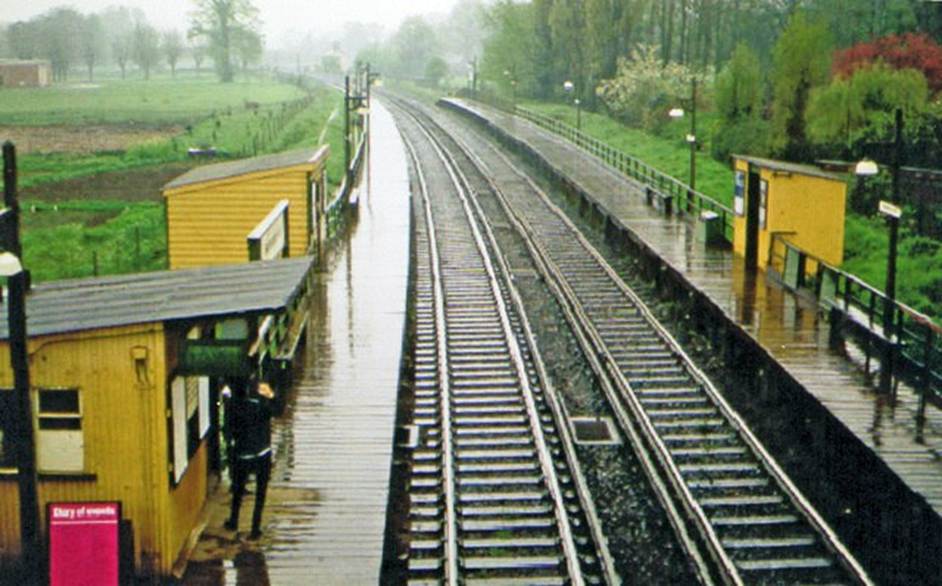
column 224, row 32
column 797, row 79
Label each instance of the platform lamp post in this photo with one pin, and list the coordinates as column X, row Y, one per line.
column 511, row 75
column 18, row 284
column 892, row 213
column 691, row 138
column 570, row 89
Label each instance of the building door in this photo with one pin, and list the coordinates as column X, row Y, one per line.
column 752, row 218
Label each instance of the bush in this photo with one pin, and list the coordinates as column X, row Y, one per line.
column 745, row 137
column 908, row 51
column 644, row 88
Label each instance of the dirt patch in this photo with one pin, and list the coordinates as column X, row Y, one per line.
column 82, row 139
column 144, row 184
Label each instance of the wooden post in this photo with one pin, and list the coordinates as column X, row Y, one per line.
column 19, row 361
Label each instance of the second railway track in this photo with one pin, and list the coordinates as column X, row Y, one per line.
column 740, row 517
column 493, row 493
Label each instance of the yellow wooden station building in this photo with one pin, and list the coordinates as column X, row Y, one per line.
column 212, row 208
column 125, row 372
column 775, row 200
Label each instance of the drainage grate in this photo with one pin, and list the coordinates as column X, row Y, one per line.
column 594, row 430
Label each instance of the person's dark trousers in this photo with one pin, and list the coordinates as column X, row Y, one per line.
column 261, row 467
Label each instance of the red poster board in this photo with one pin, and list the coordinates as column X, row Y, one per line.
column 84, row 547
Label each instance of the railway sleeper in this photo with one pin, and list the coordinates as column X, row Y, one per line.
column 497, row 468
column 545, row 525
column 496, row 454
column 525, row 564
column 504, row 496
column 480, row 511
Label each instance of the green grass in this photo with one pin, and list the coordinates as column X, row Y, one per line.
column 133, row 240
column 671, row 156
column 67, row 239
column 919, row 281
column 159, row 101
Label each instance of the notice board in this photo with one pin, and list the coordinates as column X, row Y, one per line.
column 84, row 543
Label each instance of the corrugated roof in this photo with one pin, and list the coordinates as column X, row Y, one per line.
column 787, row 167
column 84, row 304
column 218, row 171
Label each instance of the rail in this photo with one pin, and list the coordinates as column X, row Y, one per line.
column 914, row 337
column 687, row 200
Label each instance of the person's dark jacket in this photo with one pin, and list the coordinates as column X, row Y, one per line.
column 250, row 426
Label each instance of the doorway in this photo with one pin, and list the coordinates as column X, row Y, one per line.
column 752, row 218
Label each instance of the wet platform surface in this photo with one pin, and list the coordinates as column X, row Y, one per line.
column 325, row 518
column 787, row 326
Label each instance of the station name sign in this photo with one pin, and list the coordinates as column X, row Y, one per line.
column 269, row 239
column 84, row 543
column 889, row 210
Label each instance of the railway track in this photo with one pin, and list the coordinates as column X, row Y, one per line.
column 738, row 515
column 495, row 493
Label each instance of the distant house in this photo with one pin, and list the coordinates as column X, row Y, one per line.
column 17, row 73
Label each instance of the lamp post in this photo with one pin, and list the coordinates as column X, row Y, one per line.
column 511, row 75
column 691, row 137
column 892, row 213
column 18, row 284
column 570, row 89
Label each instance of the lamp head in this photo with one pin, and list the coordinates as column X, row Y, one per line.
column 676, row 113
column 866, row 168
column 9, row 265
column 568, row 86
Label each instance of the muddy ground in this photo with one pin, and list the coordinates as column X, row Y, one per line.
column 82, row 139
column 144, row 184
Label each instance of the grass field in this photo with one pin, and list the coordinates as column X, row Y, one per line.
column 919, row 280
column 102, row 213
column 159, row 101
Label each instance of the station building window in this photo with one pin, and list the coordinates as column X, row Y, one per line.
column 7, row 421
column 189, row 400
column 60, row 441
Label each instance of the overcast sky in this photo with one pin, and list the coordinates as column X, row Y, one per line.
column 279, row 16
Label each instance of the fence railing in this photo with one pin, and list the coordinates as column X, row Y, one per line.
column 914, row 338
column 686, row 200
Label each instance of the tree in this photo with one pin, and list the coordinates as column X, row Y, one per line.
column 92, row 43
column 414, row 44
column 908, row 51
column 248, row 46
column 218, row 21
column 802, row 61
column 145, row 48
column 198, row 52
column 435, row 71
column 512, row 46
column 121, row 48
column 739, row 87
column 172, row 46
column 24, row 39
column 644, row 88
column 58, row 32
column 864, row 104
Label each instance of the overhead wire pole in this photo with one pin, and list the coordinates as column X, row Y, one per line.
column 24, row 440
column 889, row 308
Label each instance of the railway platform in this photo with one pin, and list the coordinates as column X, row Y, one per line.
column 325, row 517
column 788, row 327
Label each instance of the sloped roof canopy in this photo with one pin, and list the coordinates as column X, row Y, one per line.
column 85, row 304
column 241, row 167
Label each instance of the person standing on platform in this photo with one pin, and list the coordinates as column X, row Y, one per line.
column 249, row 421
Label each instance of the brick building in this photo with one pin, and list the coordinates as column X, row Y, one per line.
column 16, row 73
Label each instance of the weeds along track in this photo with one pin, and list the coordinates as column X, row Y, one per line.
column 495, row 495
column 738, row 516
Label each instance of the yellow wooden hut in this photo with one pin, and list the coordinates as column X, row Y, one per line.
column 125, row 376
column 211, row 209
column 779, row 200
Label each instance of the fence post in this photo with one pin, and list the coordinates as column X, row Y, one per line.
column 926, row 376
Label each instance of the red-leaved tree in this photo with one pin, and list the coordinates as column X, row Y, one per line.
column 908, row 51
